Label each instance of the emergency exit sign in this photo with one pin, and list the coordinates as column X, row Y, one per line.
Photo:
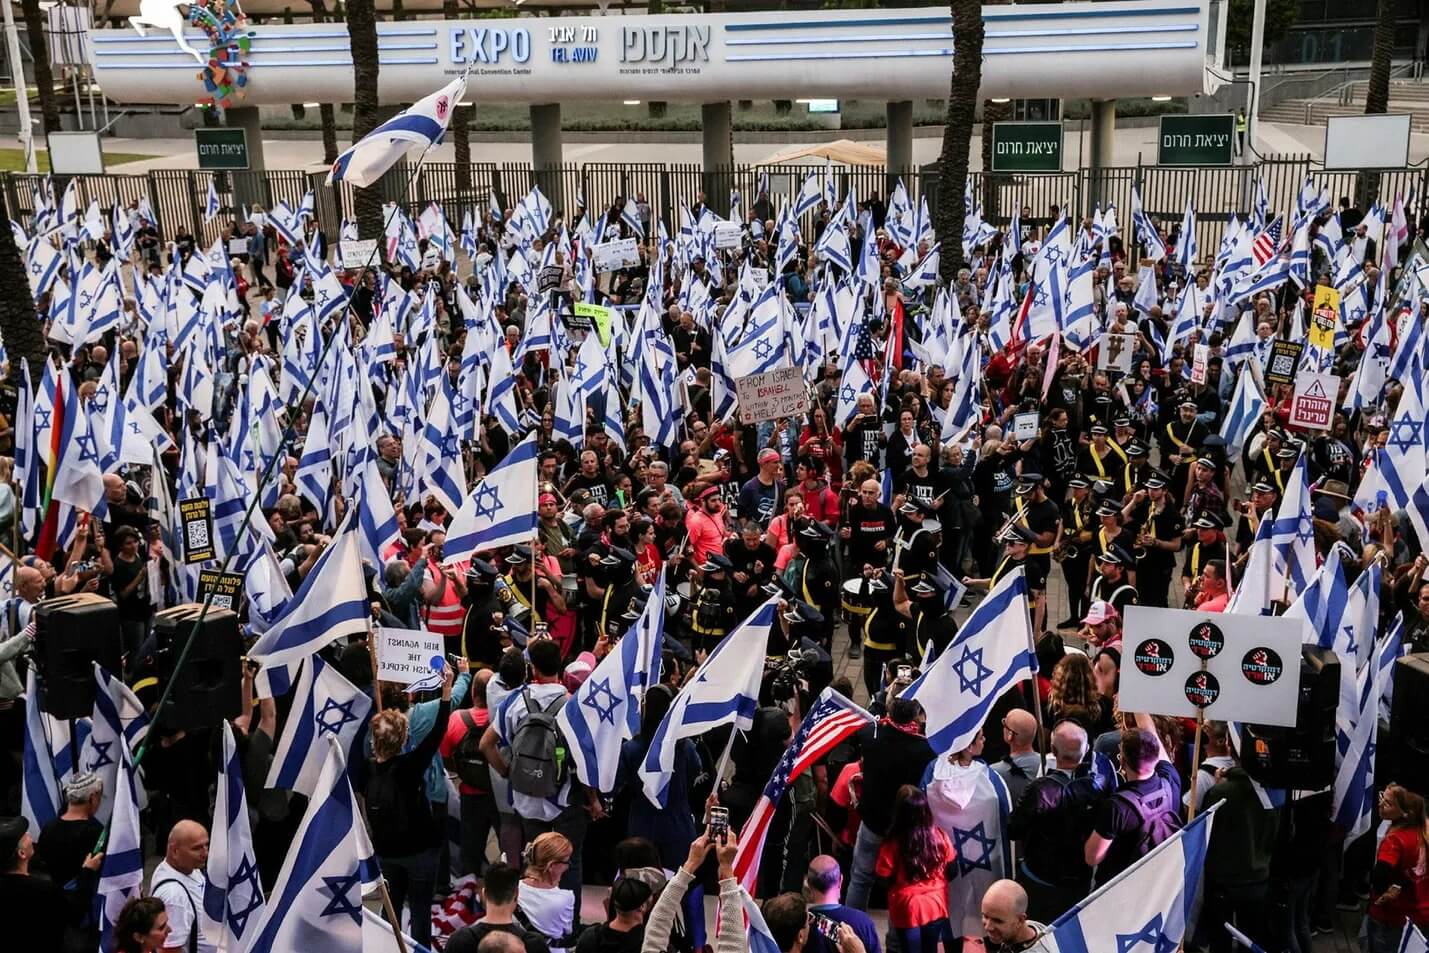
column 1196, row 140
column 221, row 149
column 1027, row 147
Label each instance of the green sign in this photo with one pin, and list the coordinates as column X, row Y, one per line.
column 1027, row 147
column 221, row 149
column 1196, row 140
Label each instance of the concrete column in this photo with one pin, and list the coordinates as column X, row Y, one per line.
column 1103, row 137
column 718, row 156
column 248, row 189
column 899, row 142
column 546, row 149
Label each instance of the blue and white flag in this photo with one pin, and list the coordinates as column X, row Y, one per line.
column 1354, row 797
column 724, row 691
column 1247, row 405
column 331, row 603
column 42, row 265
column 421, row 124
column 1389, row 651
column 41, row 800
column 122, row 871
column 757, row 936
column 605, row 711
column 992, row 652
column 810, row 194
column 211, row 205
column 119, row 725
column 1145, row 231
column 1413, row 941
column 1294, row 530
column 971, row 804
column 316, row 903
column 1146, row 907
column 231, row 892
column 1186, row 250
column 1401, row 462
column 500, row 510
column 324, row 705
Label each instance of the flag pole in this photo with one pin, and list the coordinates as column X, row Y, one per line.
column 1196, row 757
column 391, row 914
column 372, row 655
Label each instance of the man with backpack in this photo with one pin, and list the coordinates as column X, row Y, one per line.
column 523, row 744
column 1051, row 822
column 1145, row 809
column 461, row 752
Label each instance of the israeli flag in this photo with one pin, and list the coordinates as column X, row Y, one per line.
column 40, row 797
column 993, row 651
column 443, row 472
column 605, row 711
column 1146, row 232
column 725, row 691
column 1354, row 798
column 758, row 937
column 325, row 705
column 971, row 804
column 122, row 871
column 331, row 603
column 42, row 265
column 231, row 892
column 1413, row 941
column 1294, row 530
column 1402, row 463
column 1144, row 908
column 500, row 510
column 316, row 903
column 810, row 194
column 119, row 725
column 211, row 205
column 421, row 124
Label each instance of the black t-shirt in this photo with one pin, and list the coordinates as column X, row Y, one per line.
column 33, row 911
column 135, row 606
column 600, row 491
column 64, row 845
column 925, row 488
column 467, row 939
column 604, row 939
column 865, row 528
column 891, row 758
column 1119, row 821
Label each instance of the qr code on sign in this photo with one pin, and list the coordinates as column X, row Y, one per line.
column 1282, row 364
column 198, row 536
column 223, row 602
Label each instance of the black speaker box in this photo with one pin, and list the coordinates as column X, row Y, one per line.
column 71, row 634
column 1302, row 757
column 1409, row 724
column 207, row 689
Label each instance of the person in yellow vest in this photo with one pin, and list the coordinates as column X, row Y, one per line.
column 1112, row 585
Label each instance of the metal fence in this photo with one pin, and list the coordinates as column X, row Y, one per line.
column 1216, row 193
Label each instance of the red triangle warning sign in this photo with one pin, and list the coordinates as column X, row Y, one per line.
column 1316, row 389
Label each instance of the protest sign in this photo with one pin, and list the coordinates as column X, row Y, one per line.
column 728, row 235
column 597, row 316
column 356, row 254
column 227, row 588
column 1184, row 663
column 1200, row 360
column 771, row 395
column 196, row 515
column 612, row 256
column 1115, row 352
column 1025, row 427
column 1284, row 358
column 407, row 656
column 238, row 246
column 1313, row 405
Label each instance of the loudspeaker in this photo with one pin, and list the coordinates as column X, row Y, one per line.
column 207, row 689
column 71, row 634
column 1409, row 723
column 1302, row 757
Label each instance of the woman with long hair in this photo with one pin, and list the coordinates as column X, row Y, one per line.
column 1399, row 882
column 1074, row 696
column 542, row 902
column 142, row 927
column 914, row 857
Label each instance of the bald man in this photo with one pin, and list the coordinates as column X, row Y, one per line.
column 1023, row 763
column 822, row 884
column 179, row 881
column 15, row 612
column 1004, row 920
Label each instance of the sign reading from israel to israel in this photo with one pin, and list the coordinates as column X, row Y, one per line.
column 1027, row 147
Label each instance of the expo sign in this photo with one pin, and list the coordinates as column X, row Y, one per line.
column 488, row 45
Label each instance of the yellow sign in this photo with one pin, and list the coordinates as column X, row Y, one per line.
column 599, row 315
column 1326, row 297
column 1322, row 328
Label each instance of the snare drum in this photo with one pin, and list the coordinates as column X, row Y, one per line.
column 856, row 602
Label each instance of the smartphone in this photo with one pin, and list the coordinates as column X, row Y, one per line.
column 905, row 673
column 719, row 824
column 826, row 927
column 540, row 631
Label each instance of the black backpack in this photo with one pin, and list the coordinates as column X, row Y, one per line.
column 386, row 815
column 1159, row 813
column 537, row 749
column 467, row 760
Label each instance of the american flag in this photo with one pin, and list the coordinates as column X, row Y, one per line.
column 832, row 719
column 1267, row 243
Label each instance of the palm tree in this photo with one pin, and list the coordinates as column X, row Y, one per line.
column 991, row 112
column 362, row 34
column 460, row 127
column 40, row 53
column 951, row 213
column 1376, row 101
column 325, row 110
column 18, row 325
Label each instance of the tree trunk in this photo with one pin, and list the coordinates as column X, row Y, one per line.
column 325, row 111
column 991, row 112
column 1376, row 99
column 18, row 324
column 362, row 31
column 957, row 134
column 40, row 51
column 460, row 127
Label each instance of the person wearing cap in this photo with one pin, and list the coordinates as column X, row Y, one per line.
column 34, row 907
column 1261, row 464
column 1075, row 544
column 921, row 601
column 712, row 611
column 1156, row 524
column 65, row 847
column 620, row 588
column 1347, row 526
column 1103, row 459
column 1263, row 501
column 1039, row 514
column 485, row 634
column 515, row 590
column 1204, row 495
column 1112, row 584
column 705, row 523
column 1182, row 444
column 1015, row 540
column 1101, row 626
column 1137, row 464
column 762, row 495
column 1208, row 543
column 915, row 547
column 812, row 576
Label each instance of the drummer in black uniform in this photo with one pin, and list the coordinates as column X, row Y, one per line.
column 620, row 587
column 712, row 612
column 814, row 578
column 1015, row 540
column 1210, row 543
column 1112, row 584
column 1182, row 445
column 916, row 545
column 484, row 635
column 933, row 625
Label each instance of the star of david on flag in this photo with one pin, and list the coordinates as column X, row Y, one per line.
column 231, row 893
column 500, row 510
column 325, row 705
